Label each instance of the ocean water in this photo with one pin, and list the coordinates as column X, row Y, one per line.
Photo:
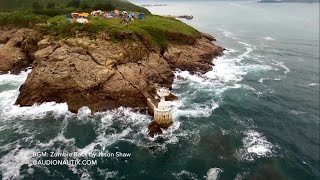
column 254, row 116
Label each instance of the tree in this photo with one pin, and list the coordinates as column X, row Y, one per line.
column 50, row 5
column 84, row 5
column 106, row 6
column 36, row 5
column 74, row 3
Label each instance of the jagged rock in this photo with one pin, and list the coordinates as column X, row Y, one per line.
column 17, row 53
column 208, row 36
column 104, row 75
column 195, row 58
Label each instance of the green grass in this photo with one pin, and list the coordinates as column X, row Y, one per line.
column 164, row 30
column 21, row 19
column 158, row 30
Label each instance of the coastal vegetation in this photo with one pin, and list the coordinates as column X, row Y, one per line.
column 50, row 18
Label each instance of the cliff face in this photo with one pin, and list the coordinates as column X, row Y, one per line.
column 103, row 74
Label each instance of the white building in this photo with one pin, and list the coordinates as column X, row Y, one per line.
column 163, row 113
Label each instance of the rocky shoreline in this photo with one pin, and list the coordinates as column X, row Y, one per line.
column 98, row 73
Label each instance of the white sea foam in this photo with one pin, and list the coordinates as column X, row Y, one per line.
column 227, row 72
column 8, row 98
column 214, row 173
column 83, row 112
column 11, row 162
column 128, row 121
column 35, row 111
column 255, row 145
column 12, row 79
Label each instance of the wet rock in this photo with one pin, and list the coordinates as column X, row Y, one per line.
column 155, row 128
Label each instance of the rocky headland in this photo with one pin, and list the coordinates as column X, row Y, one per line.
column 99, row 73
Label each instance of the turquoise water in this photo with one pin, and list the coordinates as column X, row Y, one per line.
column 254, row 116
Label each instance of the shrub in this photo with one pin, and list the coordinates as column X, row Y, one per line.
column 106, row 6
column 51, row 5
column 74, row 3
column 21, row 19
column 36, row 5
column 53, row 12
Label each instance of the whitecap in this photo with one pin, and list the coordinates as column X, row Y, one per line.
column 313, row 84
column 184, row 174
column 269, row 38
column 255, row 145
column 214, row 173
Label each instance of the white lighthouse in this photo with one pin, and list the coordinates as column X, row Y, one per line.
column 163, row 113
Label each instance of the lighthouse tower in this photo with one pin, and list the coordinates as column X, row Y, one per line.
column 162, row 113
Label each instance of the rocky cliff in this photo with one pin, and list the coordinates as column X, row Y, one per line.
column 99, row 73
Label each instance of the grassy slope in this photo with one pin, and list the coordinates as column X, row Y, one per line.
column 158, row 30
